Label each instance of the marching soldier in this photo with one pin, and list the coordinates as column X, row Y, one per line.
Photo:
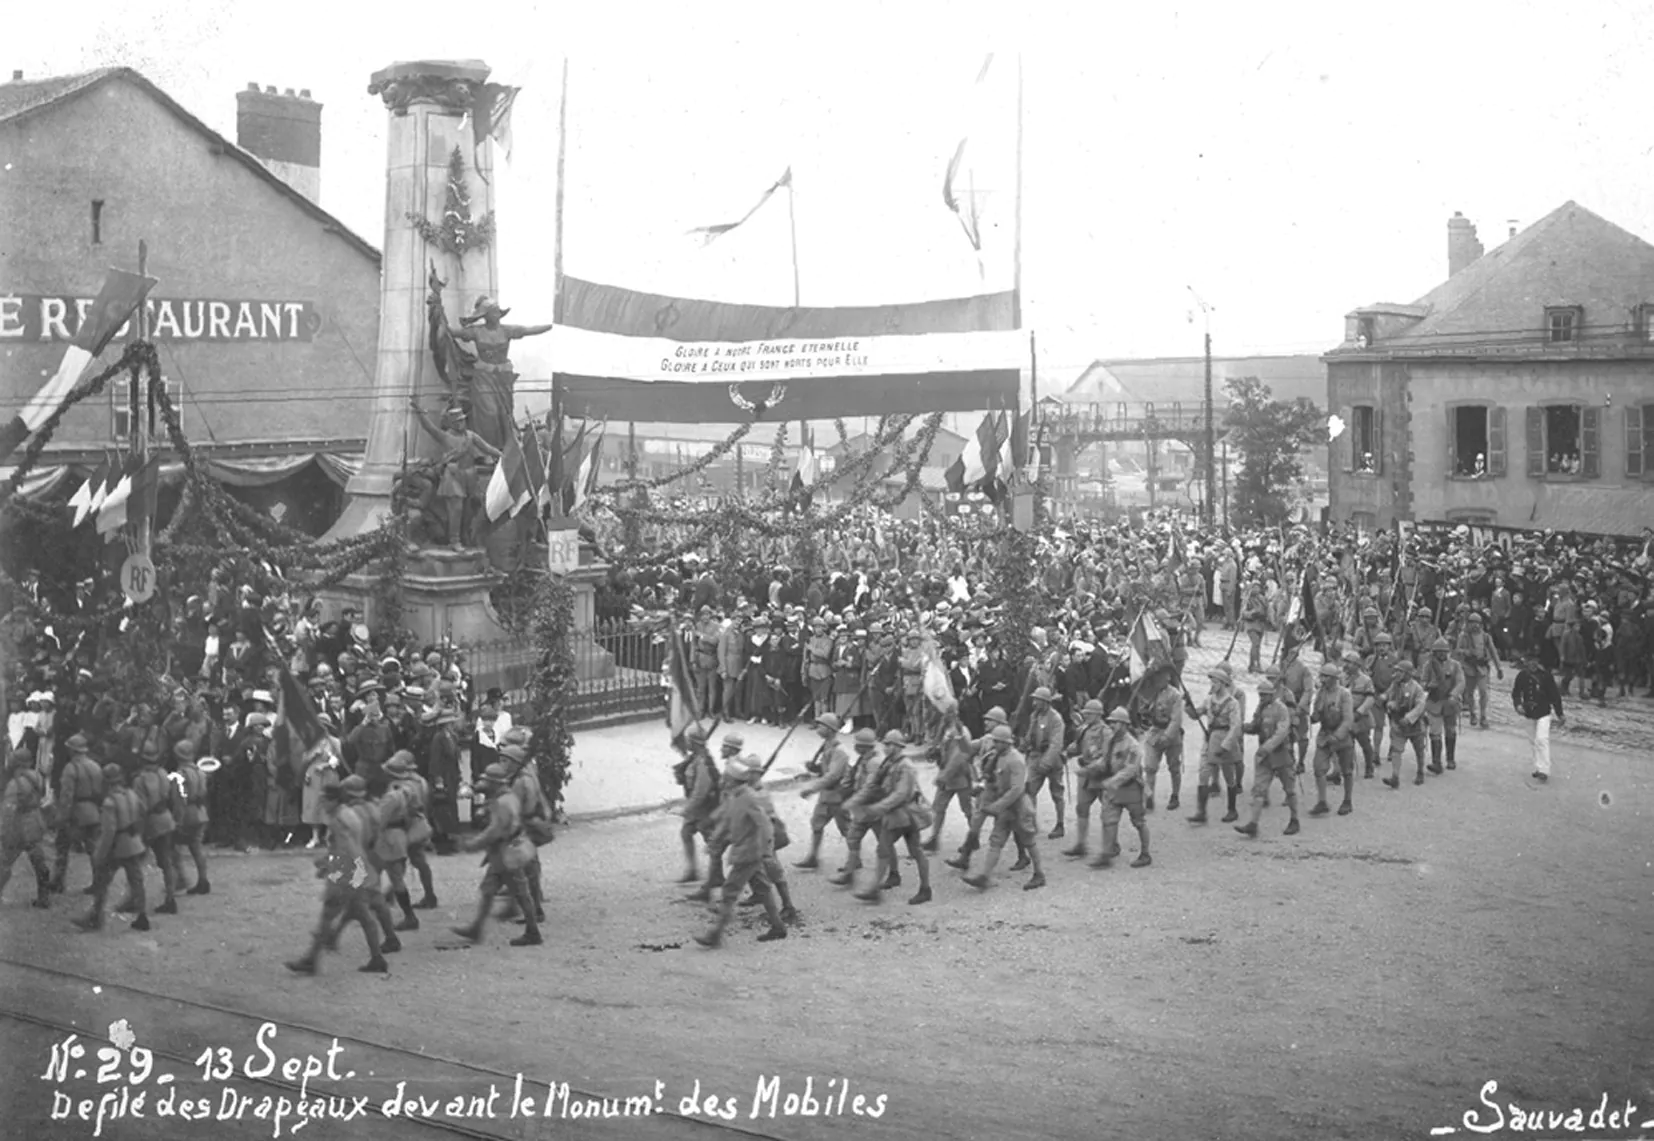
column 1366, row 635
column 987, row 756
column 1443, row 681
column 1255, row 617
column 120, row 847
column 1121, row 771
column 1475, row 650
column 1089, row 749
column 700, row 814
column 954, row 776
column 831, row 785
column 1275, row 761
column 351, row 878
column 413, row 796
column 1046, row 763
column 509, row 851
column 23, row 825
column 1406, row 702
column 1164, row 738
column 1224, row 745
column 192, row 821
column 748, row 834
column 1334, row 713
column 860, row 776
column 536, row 818
column 1364, row 700
column 1381, row 667
column 80, row 794
column 890, row 800
column 390, row 845
column 1006, row 799
column 773, row 871
column 163, row 805
column 1297, row 680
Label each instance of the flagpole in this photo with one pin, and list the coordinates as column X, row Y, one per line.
column 557, row 219
column 140, row 423
column 1016, row 267
column 792, row 227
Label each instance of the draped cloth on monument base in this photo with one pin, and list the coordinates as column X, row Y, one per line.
column 622, row 355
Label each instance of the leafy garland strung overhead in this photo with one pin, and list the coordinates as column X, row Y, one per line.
column 459, row 233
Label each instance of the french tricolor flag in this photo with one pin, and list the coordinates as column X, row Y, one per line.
column 120, row 296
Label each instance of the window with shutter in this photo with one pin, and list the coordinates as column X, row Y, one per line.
column 1496, row 441
column 1347, row 414
column 1536, row 442
column 1633, row 441
column 1452, row 440
column 1590, row 443
column 1378, row 441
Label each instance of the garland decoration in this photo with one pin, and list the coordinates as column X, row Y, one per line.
column 630, row 483
column 553, row 689
column 458, row 233
column 778, row 458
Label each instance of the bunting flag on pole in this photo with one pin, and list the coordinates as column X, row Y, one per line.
column 1147, row 645
column 121, row 294
column 959, row 191
column 112, row 512
column 805, row 473
column 585, row 479
column 534, row 463
column 681, row 711
column 980, row 459
column 490, row 115
column 90, row 495
column 146, row 487
column 509, row 483
column 1174, row 550
column 710, row 234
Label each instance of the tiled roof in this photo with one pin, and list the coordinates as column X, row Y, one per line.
column 1570, row 257
column 21, row 99
column 1182, row 380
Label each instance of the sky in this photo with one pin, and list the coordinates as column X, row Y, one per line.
column 1282, row 163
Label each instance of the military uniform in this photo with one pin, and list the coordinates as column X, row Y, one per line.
column 508, row 853
column 192, row 822
column 1364, row 699
column 1118, row 774
column 818, row 669
column 831, row 788
column 704, row 664
column 351, row 877
column 1476, row 652
column 1088, row 750
column 701, row 782
column 80, row 802
column 749, row 837
column 862, row 771
column 414, row 796
column 1443, row 680
column 1406, row 701
column 913, row 692
column 23, row 825
column 1223, row 754
column 1164, row 739
column 892, row 801
column 1275, row 760
column 163, row 804
column 1381, row 667
column 1297, row 679
column 120, row 848
column 1046, row 763
column 1255, row 618
column 1005, row 798
column 954, row 777
column 1334, row 714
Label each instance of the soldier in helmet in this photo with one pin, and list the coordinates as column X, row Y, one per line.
column 351, row 877
column 750, row 841
column 1334, row 713
column 987, row 757
column 120, row 847
column 1443, row 681
column 1363, row 700
column 832, row 786
column 1088, row 750
column 163, row 805
column 80, row 792
column 1164, row 737
column 1046, row 763
column 509, row 852
column 861, row 774
column 700, row 815
column 955, row 775
column 22, row 824
column 1381, row 667
column 1006, row 799
column 1406, row 703
column 1225, row 746
column 891, row 800
column 1118, row 774
column 192, row 823
column 1275, row 760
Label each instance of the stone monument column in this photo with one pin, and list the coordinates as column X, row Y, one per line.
column 427, row 102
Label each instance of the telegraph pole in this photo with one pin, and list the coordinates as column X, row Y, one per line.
column 1210, row 458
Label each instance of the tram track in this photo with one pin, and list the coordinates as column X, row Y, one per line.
column 208, row 1057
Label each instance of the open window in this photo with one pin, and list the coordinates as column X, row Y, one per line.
column 1475, row 441
column 1639, row 441
column 1363, row 446
column 1564, row 441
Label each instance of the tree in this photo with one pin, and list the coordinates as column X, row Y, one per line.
column 1270, row 434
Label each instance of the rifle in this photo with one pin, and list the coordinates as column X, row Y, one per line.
column 778, row 749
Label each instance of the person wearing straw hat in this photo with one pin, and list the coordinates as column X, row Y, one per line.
column 80, row 793
column 192, row 822
column 351, row 877
column 509, row 851
column 120, row 848
column 22, row 824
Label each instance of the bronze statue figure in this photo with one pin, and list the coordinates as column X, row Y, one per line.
column 465, row 468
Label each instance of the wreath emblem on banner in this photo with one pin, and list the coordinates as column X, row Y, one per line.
column 666, row 316
column 778, row 393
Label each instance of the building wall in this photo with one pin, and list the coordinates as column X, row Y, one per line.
column 1611, row 503
column 1379, row 497
column 215, row 231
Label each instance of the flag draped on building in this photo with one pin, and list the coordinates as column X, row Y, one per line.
column 1147, row 645
column 120, row 296
column 959, row 189
column 710, row 234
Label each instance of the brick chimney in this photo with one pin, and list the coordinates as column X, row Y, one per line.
column 1463, row 247
column 285, row 133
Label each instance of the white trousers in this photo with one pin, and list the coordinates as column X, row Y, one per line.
column 1539, row 744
